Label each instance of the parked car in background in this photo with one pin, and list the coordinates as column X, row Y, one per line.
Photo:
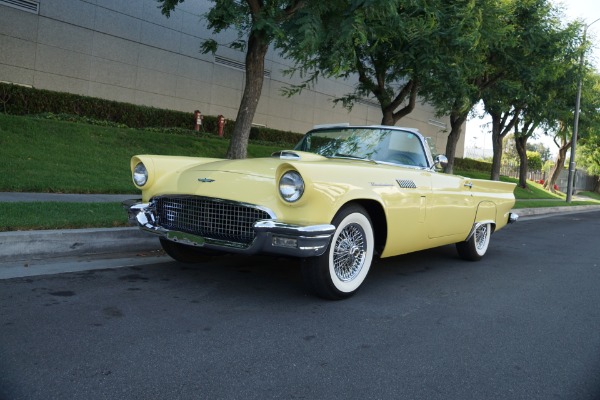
column 344, row 195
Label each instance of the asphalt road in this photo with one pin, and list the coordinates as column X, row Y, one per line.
column 524, row 323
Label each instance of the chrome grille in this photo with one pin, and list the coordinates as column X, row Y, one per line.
column 210, row 218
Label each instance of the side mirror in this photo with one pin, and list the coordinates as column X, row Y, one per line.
column 440, row 161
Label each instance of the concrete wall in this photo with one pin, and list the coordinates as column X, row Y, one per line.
column 128, row 51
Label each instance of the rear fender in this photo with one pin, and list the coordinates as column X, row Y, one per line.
column 486, row 213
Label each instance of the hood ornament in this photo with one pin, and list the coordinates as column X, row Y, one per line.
column 205, row 180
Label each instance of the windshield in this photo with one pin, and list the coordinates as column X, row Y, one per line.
column 374, row 144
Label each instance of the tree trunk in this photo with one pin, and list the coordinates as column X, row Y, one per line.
column 497, row 148
column 390, row 115
column 456, row 123
column 502, row 124
column 597, row 186
column 558, row 167
column 521, row 144
column 255, row 70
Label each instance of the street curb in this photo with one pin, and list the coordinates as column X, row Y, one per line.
column 523, row 212
column 22, row 245
column 26, row 245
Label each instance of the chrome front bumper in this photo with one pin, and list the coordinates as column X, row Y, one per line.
column 272, row 237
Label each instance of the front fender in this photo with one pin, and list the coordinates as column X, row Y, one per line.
column 325, row 196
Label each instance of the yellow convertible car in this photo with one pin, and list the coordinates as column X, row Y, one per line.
column 342, row 196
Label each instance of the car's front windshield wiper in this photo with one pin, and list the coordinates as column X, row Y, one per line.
column 351, row 157
column 341, row 155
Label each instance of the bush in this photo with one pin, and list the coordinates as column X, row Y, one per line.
column 21, row 100
column 534, row 160
column 467, row 164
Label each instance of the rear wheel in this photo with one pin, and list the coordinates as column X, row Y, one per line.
column 476, row 247
column 186, row 254
column 340, row 271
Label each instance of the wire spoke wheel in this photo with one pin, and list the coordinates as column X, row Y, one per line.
column 476, row 246
column 481, row 238
column 341, row 270
column 349, row 253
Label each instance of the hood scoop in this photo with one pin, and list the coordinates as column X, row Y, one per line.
column 286, row 155
column 296, row 155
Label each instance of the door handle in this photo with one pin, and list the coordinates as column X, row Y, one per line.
column 469, row 185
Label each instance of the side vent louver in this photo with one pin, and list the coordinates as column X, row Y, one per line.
column 406, row 184
column 23, row 5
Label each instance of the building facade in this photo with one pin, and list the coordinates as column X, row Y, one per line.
column 128, row 51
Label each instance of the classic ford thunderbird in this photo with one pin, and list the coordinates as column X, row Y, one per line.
column 344, row 195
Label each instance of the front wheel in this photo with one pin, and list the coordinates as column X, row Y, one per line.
column 476, row 247
column 339, row 272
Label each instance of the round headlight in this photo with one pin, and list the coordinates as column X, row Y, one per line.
column 140, row 174
column 291, row 186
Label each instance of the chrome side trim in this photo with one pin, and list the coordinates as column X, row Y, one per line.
column 477, row 225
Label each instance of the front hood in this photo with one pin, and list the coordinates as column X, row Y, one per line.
column 246, row 180
column 261, row 167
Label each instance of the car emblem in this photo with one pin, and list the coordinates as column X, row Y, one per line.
column 205, row 180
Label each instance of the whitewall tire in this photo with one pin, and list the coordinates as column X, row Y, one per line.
column 342, row 269
column 476, row 247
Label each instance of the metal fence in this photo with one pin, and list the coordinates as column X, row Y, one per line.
column 513, row 172
column 581, row 182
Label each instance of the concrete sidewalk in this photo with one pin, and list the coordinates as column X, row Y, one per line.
column 27, row 245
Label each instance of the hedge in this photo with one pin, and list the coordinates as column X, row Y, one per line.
column 467, row 164
column 21, row 100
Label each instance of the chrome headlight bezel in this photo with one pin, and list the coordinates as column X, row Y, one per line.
column 291, row 186
column 140, row 174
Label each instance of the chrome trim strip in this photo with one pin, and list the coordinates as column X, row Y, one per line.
column 477, row 225
column 472, row 232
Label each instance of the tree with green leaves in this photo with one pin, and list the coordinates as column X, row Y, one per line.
column 535, row 58
column 258, row 24
column 390, row 46
column 589, row 118
column 588, row 153
column 472, row 67
column 541, row 149
column 588, row 157
column 545, row 100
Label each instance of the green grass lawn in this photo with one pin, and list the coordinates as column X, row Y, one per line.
column 40, row 155
column 56, row 215
column 591, row 195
